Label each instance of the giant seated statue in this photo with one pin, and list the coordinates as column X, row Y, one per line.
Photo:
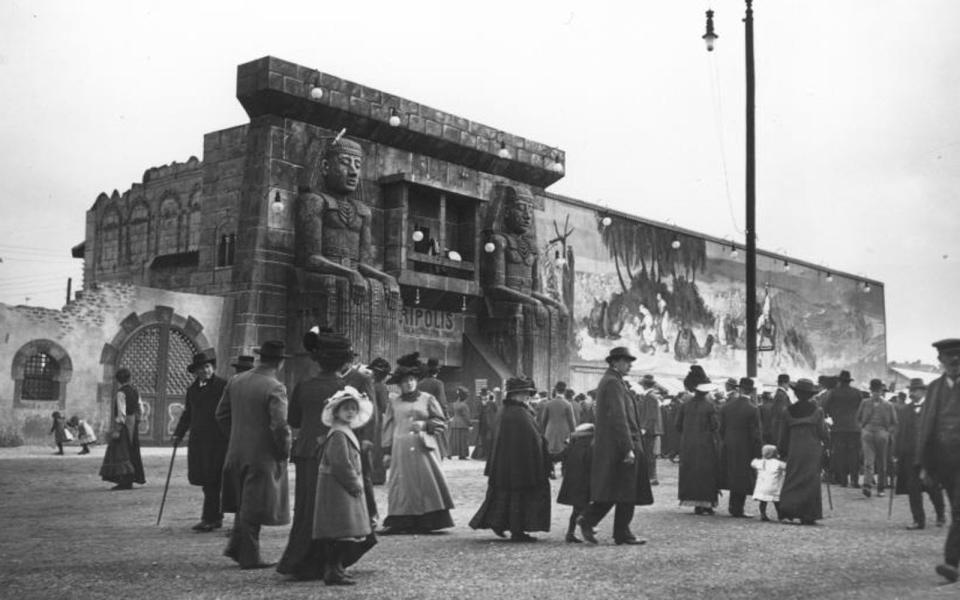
column 527, row 328
column 336, row 282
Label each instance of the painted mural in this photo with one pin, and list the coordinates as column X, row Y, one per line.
column 679, row 299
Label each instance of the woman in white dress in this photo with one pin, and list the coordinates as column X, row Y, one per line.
column 418, row 499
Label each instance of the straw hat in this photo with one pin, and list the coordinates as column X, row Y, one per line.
column 348, row 393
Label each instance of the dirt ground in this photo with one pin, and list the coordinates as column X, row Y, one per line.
column 64, row 535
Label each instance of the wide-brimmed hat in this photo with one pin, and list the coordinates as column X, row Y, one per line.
column 272, row 350
column 244, row 362
column 364, row 412
column 804, row 386
column 917, row 384
column 582, row 427
column 620, row 352
column 201, row 359
column 844, row 376
column 407, row 365
column 746, row 384
column 520, row 384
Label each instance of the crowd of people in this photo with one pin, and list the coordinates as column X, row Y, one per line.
column 345, row 431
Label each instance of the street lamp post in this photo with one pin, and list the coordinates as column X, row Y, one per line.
column 751, row 185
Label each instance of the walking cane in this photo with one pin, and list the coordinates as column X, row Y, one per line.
column 829, row 495
column 893, row 492
column 167, row 485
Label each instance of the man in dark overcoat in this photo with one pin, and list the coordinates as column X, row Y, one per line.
column 905, row 448
column 740, row 439
column 938, row 447
column 432, row 385
column 207, row 445
column 775, row 414
column 841, row 406
column 651, row 423
column 255, row 484
column 381, row 396
column 619, row 468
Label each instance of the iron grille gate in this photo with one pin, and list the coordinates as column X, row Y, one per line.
column 157, row 356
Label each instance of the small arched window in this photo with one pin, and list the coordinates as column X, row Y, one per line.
column 41, row 370
column 139, row 233
column 194, row 222
column 169, row 230
column 226, row 243
column 40, row 378
column 109, row 239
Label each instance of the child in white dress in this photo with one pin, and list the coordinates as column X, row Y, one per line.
column 770, row 471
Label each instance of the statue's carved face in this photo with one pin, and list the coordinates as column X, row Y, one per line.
column 519, row 215
column 341, row 173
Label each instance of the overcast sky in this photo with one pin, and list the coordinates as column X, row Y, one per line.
column 858, row 131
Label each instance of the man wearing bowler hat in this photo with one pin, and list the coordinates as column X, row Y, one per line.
column 255, row 484
column 878, row 421
column 938, row 447
column 380, row 369
column 905, row 445
column 243, row 363
column 619, row 468
column 841, row 407
column 207, row 445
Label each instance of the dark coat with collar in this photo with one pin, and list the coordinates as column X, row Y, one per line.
column 255, row 483
column 938, row 458
column 740, row 439
column 306, row 409
column 699, row 476
column 616, row 433
column 207, row 445
column 905, row 443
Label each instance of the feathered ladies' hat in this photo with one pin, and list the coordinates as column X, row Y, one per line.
column 323, row 344
column 697, row 379
column 364, row 412
column 408, row 364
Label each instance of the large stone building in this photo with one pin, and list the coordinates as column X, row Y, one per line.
column 409, row 228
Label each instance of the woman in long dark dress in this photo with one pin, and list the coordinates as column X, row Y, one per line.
column 518, row 484
column 122, row 463
column 802, row 438
column 697, row 422
column 302, row 558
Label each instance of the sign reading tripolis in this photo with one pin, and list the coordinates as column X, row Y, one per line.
column 424, row 322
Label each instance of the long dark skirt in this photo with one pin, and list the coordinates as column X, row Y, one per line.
column 300, row 557
column 122, row 463
column 431, row 521
column 801, row 497
column 514, row 510
column 459, row 443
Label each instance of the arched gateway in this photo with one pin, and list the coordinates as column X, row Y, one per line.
column 156, row 346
